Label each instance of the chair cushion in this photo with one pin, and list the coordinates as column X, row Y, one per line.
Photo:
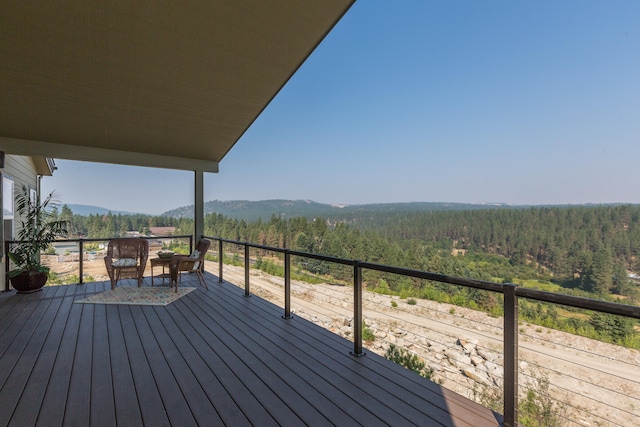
column 124, row 262
column 195, row 254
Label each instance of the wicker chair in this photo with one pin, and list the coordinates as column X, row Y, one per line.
column 126, row 259
column 193, row 263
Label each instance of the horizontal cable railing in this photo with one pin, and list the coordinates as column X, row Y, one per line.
column 505, row 365
column 503, row 362
column 79, row 255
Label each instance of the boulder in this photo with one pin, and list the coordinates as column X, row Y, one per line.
column 476, row 376
column 437, row 348
column 458, row 359
column 477, row 360
column 485, row 354
column 469, row 345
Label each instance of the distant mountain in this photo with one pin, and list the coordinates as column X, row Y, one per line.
column 86, row 210
column 265, row 209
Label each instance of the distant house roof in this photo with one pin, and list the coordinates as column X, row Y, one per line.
column 155, row 245
column 162, row 231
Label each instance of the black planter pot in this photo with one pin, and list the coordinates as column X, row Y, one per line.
column 29, row 281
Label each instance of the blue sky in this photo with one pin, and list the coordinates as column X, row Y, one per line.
column 442, row 101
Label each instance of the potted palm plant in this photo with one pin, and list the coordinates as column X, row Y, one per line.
column 38, row 229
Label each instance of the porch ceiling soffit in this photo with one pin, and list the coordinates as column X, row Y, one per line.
column 44, row 165
column 102, row 155
column 163, row 84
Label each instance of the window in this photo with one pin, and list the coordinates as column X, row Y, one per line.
column 7, row 207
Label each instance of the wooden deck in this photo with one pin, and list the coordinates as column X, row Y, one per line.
column 214, row 357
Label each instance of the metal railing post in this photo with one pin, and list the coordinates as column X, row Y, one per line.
column 357, row 309
column 246, row 270
column 287, row 286
column 510, row 356
column 81, row 261
column 220, row 260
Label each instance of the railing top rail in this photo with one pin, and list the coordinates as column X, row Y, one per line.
column 186, row 236
column 478, row 284
column 568, row 300
column 580, row 302
column 289, row 251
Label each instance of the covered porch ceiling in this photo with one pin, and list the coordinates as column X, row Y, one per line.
column 147, row 83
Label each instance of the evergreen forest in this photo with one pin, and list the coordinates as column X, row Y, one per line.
column 587, row 251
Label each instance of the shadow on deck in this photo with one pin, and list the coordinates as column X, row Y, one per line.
column 214, row 357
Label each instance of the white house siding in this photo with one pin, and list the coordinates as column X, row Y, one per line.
column 20, row 169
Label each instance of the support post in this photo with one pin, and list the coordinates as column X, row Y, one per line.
column 357, row 310
column 81, row 266
column 287, row 286
column 510, row 356
column 220, row 260
column 198, row 206
column 246, row 270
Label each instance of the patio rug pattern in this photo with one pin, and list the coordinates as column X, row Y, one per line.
column 137, row 296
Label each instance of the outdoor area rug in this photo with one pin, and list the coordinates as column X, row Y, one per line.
column 137, row 296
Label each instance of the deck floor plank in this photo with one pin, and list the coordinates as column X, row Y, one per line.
column 299, row 385
column 25, row 394
column 102, row 404
column 203, row 411
column 125, row 398
column 213, row 357
column 10, row 310
column 36, row 386
column 227, row 411
column 168, row 388
column 371, row 388
column 232, row 356
column 235, row 403
column 78, row 405
column 385, row 373
column 52, row 411
column 314, row 385
column 151, row 406
column 377, row 368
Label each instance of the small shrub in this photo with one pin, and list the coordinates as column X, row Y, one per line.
column 367, row 333
column 452, row 310
column 409, row 360
column 412, row 301
column 490, row 397
column 382, row 287
column 539, row 409
column 394, row 304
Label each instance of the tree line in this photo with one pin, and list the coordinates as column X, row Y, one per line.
column 587, row 248
column 583, row 250
column 98, row 226
column 592, row 248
